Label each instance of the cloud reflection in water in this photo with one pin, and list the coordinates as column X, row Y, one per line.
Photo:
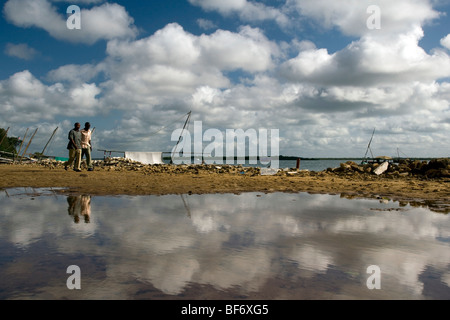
column 270, row 246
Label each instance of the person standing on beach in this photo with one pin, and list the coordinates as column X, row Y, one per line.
column 86, row 146
column 74, row 148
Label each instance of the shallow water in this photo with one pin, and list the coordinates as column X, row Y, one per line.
column 311, row 165
column 223, row 246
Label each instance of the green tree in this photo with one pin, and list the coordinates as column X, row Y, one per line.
column 8, row 144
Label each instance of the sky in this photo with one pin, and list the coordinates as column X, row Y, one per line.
column 324, row 73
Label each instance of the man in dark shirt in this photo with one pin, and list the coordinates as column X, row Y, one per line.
column 74, row 148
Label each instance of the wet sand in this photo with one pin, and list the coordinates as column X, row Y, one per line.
column 434, row 192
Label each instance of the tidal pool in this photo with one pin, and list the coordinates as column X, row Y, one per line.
column 290, row 246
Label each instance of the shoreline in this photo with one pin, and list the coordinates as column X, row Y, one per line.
column 113, row 181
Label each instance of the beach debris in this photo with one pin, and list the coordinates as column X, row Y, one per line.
column 123, row 164
column 381, row 168
column 269, row 171
column 5, row 160
column 404, row 168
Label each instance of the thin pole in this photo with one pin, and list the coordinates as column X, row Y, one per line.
column 181, row 134
column 24, row 137
column 42, row 153
column 368, row 147
column 31, row 139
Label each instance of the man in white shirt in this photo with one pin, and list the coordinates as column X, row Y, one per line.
column 86, row 146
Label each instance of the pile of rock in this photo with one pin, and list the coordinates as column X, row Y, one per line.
column 435, row 168
column 123, row 164
column 199, row 169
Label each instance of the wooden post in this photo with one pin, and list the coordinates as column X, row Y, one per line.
column 20, row 148
column 31, row 139
column 298, row 163
column 42, row 153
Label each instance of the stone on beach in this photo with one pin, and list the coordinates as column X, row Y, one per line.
column 435, row 168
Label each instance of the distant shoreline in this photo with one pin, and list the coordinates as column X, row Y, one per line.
column 305, row 158
column 267, row 158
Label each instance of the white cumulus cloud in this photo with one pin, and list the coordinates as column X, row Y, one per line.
column 104, row 22
column 351, row 16
column 249, row 11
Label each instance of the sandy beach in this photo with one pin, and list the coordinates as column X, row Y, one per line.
column 433, row 193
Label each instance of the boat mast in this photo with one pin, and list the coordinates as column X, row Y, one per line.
column 21, row 143
column 29, row 142
column 368, row 147
column 181, row 134
column 42, row 153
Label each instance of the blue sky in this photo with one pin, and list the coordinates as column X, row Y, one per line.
column 312, row 69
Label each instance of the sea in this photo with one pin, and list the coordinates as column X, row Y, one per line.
column 305, row 164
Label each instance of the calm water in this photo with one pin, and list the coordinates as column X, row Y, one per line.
column 311, row 165
column 248, row 246
column 314, row 165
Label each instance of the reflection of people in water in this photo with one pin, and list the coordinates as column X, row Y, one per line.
column 79, row 206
